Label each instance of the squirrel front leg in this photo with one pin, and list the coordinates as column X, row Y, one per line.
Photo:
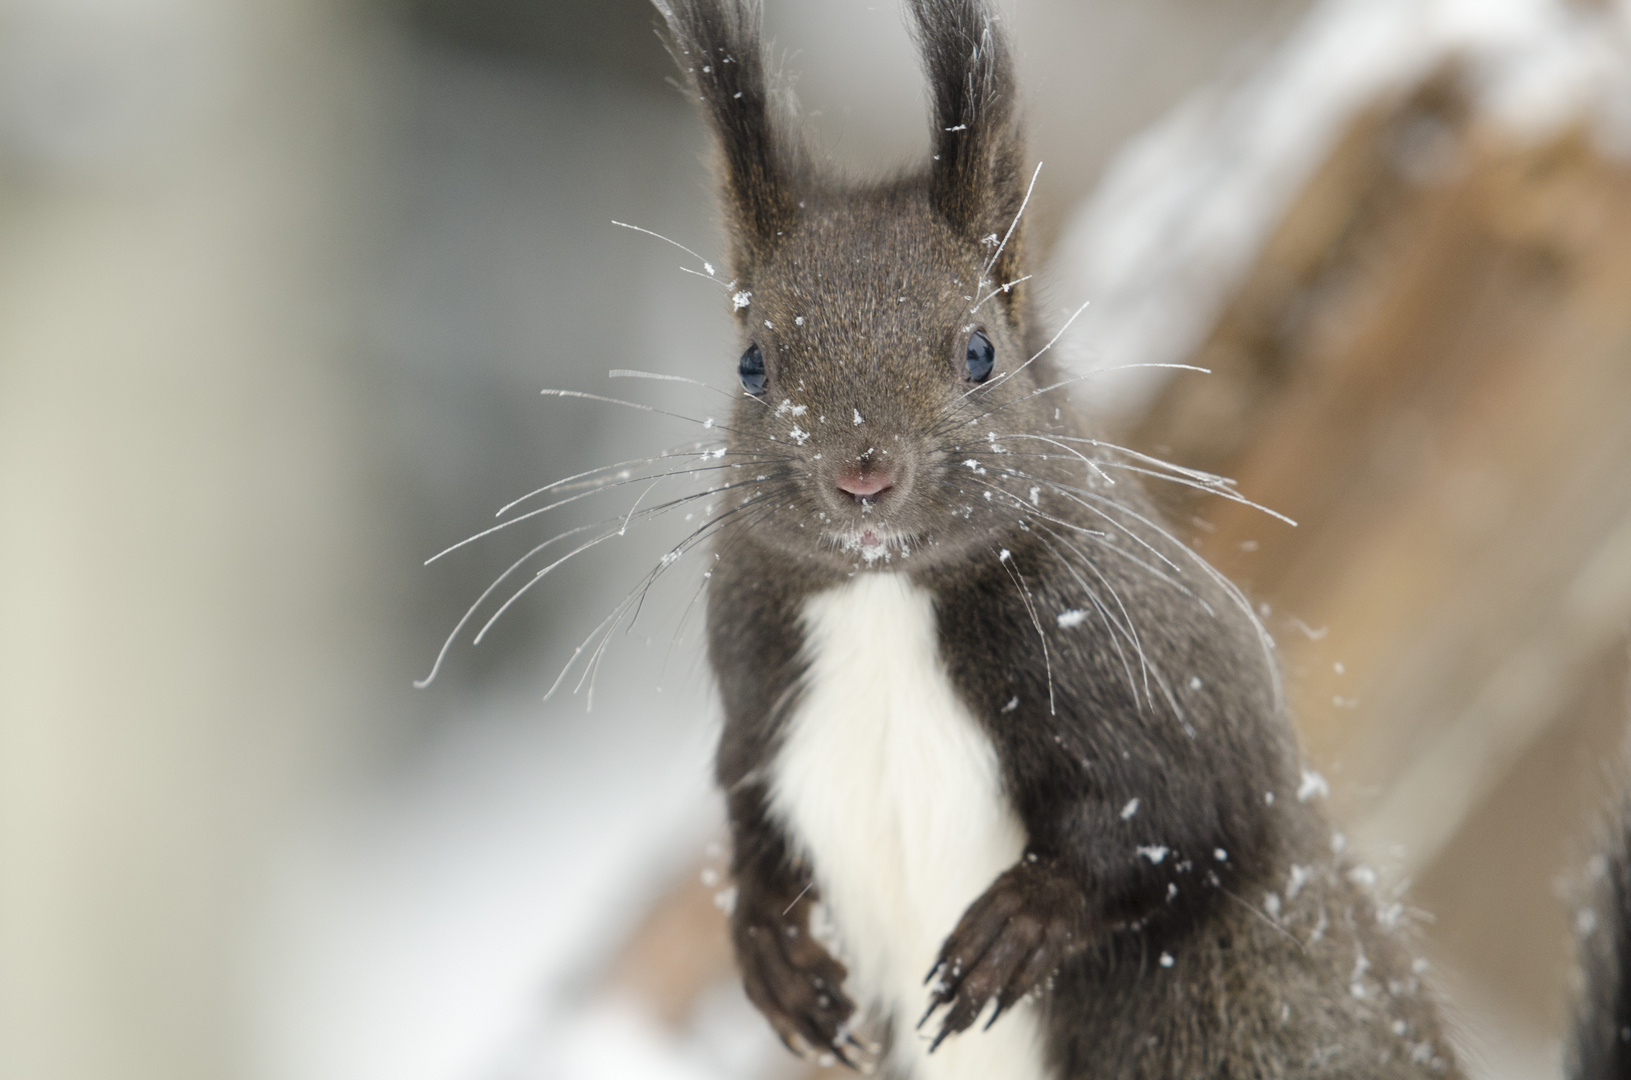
column 789, row 976
column 1015, row 935
column 1086, row 873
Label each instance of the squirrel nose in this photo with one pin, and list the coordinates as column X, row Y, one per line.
column 867, row 485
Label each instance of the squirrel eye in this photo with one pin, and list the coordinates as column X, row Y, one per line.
column 981, row 356
column 752, row 370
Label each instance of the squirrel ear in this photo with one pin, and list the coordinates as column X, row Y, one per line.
column 718, row 45
column 975, row 182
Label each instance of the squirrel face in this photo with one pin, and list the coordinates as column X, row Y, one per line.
column 874, row 345
column 885, row 347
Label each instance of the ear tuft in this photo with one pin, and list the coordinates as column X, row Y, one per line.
column 976, row 181
column 719, row 47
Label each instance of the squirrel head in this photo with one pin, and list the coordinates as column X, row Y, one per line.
column 885, row 327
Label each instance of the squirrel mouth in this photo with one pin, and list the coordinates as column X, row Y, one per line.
column 873, row 543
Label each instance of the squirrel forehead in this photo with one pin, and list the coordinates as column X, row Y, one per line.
column 856, row 278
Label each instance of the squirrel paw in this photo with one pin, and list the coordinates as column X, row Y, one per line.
column 1011, row 939
column 798, row 985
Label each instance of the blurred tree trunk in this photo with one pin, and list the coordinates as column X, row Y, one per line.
column 1429, row 368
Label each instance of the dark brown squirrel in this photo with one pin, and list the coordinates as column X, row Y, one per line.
column 998, row 748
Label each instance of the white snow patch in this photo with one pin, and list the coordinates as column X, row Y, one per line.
column 1183, row 211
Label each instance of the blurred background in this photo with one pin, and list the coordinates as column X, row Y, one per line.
column 280, row 283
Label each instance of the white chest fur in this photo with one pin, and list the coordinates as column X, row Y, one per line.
column 892, row 790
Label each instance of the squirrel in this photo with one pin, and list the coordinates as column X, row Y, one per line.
column 1011, row 786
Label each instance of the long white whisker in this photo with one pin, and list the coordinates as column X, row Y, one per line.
column 1130, row 631
column 1015, row 223
column 586, row 396
column 536, row 578
column 1067, row 491
column 705, row 277
column 566, row 482
column 628, row 373
column 1005, row 376
column 638, row 500
column 1089, row 462
column 997, row 290
column 992, row 384
column 1172, row 702
column 1229, row 588
column 631, row 373
column 1007, row 561
column 1193, row 478
column 647, row 513
column 558, row 503
column 1212, row 489
column 706, row 265
column 441, row 654
column 1193, row 474
column 679, row 627
column 700, row 533
column 1061, row 383
column 1071, row 493
column 1080, row 497
column 573, row 659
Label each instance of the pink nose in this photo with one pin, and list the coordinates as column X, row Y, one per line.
column 864, row 485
